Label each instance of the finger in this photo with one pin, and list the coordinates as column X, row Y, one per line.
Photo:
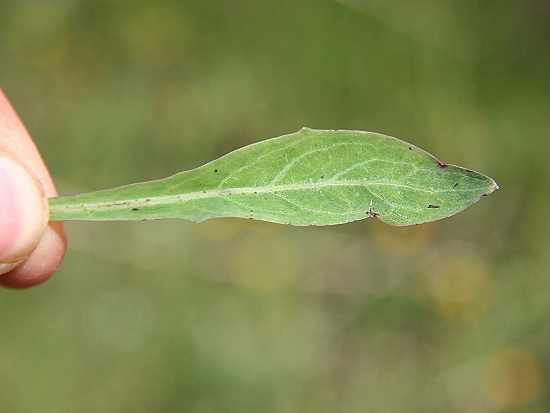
column 23, row 212
column 48, row 254
column 42, row 263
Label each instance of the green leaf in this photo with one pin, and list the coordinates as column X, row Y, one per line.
column 311, row 177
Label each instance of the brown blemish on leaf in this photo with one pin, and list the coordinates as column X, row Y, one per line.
column 372, row 214
column 433, row 206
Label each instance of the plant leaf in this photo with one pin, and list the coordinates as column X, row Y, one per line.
column 311, row 177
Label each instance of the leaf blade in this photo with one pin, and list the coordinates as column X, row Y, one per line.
column 311, row 177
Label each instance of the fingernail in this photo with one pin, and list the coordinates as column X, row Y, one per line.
column 23, row 210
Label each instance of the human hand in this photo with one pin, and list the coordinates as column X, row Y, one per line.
column 31, row 248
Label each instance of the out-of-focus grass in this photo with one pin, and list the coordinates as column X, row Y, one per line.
column 239, row 316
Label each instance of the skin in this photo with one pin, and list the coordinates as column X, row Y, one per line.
column 31, row 248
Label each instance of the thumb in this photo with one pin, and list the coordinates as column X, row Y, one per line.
column 23, row 212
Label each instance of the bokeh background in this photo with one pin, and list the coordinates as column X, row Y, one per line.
column 237, row 316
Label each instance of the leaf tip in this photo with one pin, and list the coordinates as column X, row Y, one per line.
column 494, row 188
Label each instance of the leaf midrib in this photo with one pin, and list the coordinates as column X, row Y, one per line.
column 152, row 200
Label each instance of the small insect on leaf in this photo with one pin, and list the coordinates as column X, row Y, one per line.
column 311, row 177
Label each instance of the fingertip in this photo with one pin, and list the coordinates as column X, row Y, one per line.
column 42, row 263
column 23, row 210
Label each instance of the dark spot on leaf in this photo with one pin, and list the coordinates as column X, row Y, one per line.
column 410, row 148
column 433, row 206
column 147, row 200
column 441, row 165
column 135, row 209
column 372, row 214
column 215, row 170
column 455, row 185
column 204, row 192
column 255, row 193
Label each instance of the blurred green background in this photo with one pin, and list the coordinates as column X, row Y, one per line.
column 238, row 316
